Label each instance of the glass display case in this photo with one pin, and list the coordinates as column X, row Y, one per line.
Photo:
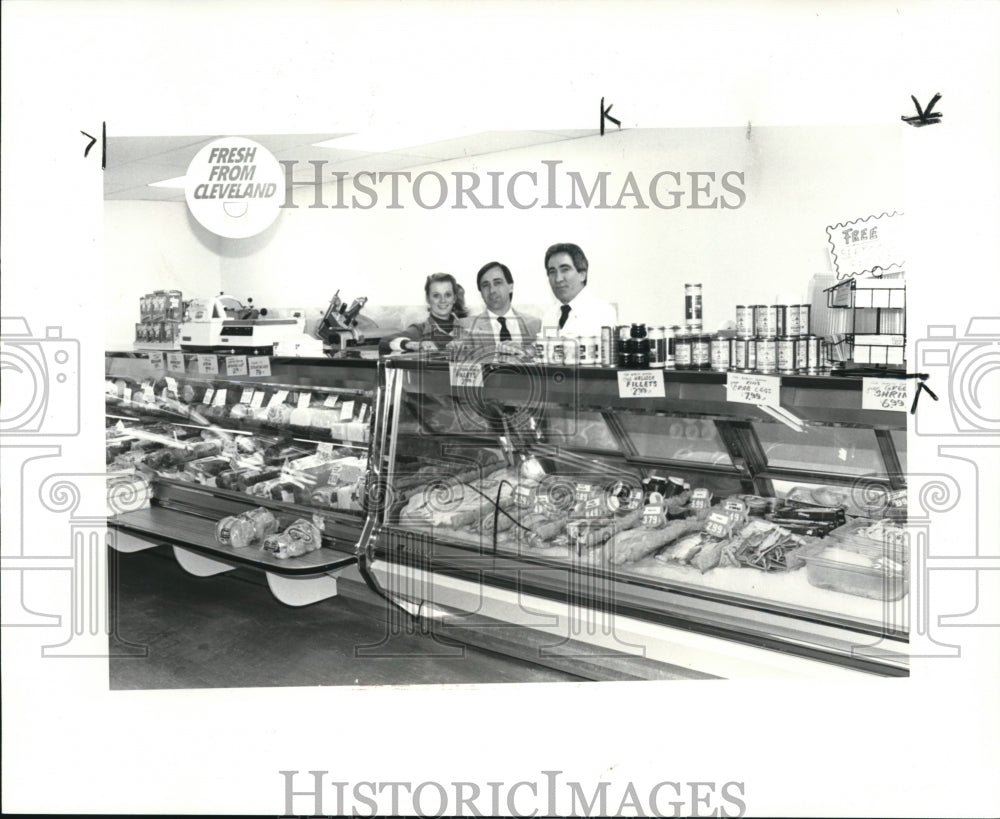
column 687, row 528
column 260, row 463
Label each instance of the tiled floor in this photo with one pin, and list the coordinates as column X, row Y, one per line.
column 229, row 631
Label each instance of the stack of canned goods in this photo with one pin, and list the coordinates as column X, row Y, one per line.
column 775, row 338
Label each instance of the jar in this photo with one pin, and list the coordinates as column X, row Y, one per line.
column 682, row 351
column 701, row 355
column 657, row 347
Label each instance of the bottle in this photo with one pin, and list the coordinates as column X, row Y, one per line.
column 692, row 307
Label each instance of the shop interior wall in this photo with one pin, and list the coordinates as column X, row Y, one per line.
column 797, row 181
column 152, row 246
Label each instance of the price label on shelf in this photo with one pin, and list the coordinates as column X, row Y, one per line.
column 175, row 362
column 278, row 398
column 156, row 361
column 208, row 365
column 236, row 365
column 208, row 396
column 749, row 388
column 883, row 394
column 220, row 397
column 331, row 401
column 641, row 384
column 171, row 384
column 259, row 366
column 347, row 411
column 701, row 498
column 257, row 401
column 247, row 395
column 304, row 400
column 465, row 375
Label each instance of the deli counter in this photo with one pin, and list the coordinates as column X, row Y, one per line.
column 539, row 504
column 685, row 528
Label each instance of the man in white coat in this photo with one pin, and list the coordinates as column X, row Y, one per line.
column 577, row 312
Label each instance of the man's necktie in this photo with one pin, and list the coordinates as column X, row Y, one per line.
column 504, row 332
column 565, row 315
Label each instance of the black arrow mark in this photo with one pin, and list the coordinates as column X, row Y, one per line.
column 606, row 114
column 924, row 116
column 104, row 144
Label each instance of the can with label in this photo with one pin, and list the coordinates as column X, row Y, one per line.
column 701, row 352
column 590, row 351
column 719, row 349
column 692, row 304
column 555, row 352
column 805, row 314
column 766, row 320
column 786, row 354
column 609, row 346
column 640, row 346
column 744, row 355
column 788, row 320
column 767, row 355
column 626, row 349
column 657, row 347
column 744, row 321
column 682, row 351
column 670, row 360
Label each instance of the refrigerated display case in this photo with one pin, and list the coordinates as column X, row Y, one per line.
column 259, row 466
column 717, row 537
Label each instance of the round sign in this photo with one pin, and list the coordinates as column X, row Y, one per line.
column 234, row 187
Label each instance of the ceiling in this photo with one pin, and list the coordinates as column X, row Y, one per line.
column 133, row 162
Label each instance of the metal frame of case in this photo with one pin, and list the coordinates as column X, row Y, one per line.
column 430, row 573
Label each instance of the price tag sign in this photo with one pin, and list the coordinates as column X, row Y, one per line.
column 897, row 498
column 883, row 394
column 171, row 384
column 220, row 398
column 208, row 365
column 259, row 366
column 465, row 375
column 247, row 395
column 303, row 400
column 701, row 498
column 236, row 365
column 208, row 396
column 347, row 411
column 257, row 401
column 278, row 398
column 718, row 524
column 641, row 384
column 325, row 449
column 331, row 401
column 748, row 388
column 156, row 361
column 653, row 516
column 175, row 362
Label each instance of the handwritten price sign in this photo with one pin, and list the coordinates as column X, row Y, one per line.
column 641, row 384
column 208, row 365
column 883, row 394
column 466, row 375
column 175, row 362
column 259, row 366
column 747, row 388
column 236, row 365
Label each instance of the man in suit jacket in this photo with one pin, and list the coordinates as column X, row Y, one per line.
column 499, row 325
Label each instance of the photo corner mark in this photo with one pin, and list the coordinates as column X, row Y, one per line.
column 93, row 142
column 924, row 116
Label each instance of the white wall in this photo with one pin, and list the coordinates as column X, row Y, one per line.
column 152, row 246
column 796, row 180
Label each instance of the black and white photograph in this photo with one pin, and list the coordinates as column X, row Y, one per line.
column 503, row 409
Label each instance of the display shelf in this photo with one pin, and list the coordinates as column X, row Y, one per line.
column 537, row 479
column 874, row 332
